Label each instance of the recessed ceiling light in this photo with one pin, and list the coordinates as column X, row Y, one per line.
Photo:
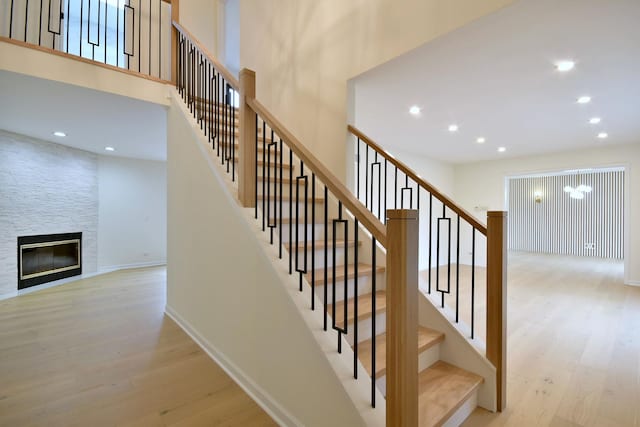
column 603, row 135
column 584, row 100
column 453, row 128
column 565, row 65
column 481, row 140
column 595, row 120
column 60, row 134
column 109, row 149
column 502, row 149
column 415, row 110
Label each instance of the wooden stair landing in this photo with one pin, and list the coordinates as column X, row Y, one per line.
column 443, row 389
column 427, row 338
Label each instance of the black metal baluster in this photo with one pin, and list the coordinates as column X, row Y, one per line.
column 473, row 280
column 255, row 209
column 366, row 177
column 81, row 17
column 140, row 33
column 358, row 168
column 68, row 17
column 384, row 212
column 313, row 241
column 159, row 39
column 291, row 223
column 345, row 327
column 40, row 26
column 150, row 7
column 355, row 300
column 395, row 188
column 264, row 173
column 11, row 21
column 430, row 238
column 458, row 269
column 26, row 18
column 373, row 324
column 326, row 253
column 281, row 197
column 106, row 24
column 302, row 177
column 233, row 142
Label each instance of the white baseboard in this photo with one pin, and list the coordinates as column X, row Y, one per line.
column 633, row 282
column 279, row 414
column 110, row 268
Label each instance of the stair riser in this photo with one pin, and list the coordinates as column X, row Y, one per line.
column 463, row 411
column 365, row 328
column 364, row 286
column 319, row 257
column 425, row 359
column 286, row 228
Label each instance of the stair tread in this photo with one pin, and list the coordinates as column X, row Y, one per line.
column 365, row 307
column 442, row 389
column 319, row 244
column 363, row 270
column 427, row 338
column 261, row 163
column 289, row 198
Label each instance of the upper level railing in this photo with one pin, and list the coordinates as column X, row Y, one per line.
column 129, row 34
column 331, row 242
column 454, row 246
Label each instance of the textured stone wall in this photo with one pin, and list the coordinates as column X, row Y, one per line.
column 45, row 188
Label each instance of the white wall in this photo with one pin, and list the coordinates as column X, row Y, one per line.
column 227, row 290
column 45, row 188
column 483, row 184
column 200, row 18
column 232, row 35
column 305, row 51
column 132, row 212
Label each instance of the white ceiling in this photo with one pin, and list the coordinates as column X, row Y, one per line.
column 91, row 119
column 496, row 78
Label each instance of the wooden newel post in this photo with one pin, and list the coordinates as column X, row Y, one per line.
column 175, row 17
column 402, row 318
column 497, row 301
column 247, row 149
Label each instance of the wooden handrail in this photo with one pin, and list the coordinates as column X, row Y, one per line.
column 430, row 188
column 342, row 193
column 81, row 59
column 233, row 81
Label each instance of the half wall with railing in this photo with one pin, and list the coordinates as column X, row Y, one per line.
column 130, row 34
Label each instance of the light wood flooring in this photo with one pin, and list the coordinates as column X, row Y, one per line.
column 573, row 345
column 101, row 352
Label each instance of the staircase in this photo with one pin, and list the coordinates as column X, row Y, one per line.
column 447, row 394
column 334, row 248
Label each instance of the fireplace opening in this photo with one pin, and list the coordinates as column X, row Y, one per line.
column 45, row 258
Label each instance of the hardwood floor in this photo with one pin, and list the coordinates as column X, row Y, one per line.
column 573, row 345
column 101, row 352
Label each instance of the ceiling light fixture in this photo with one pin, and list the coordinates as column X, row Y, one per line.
column 109, row 149
column 603, row 135
column 60, row 134
column 584, row 99
column 595, row 120
column 414, row 110
column 565, row 65
column 481, row 140
column 502, row 149
column 453, row 128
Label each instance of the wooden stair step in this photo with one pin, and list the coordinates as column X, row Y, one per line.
column 427, row 338
column 284, row 180
column 365, row 307
column 319, row 244
column 442, row 389
column 364, row 270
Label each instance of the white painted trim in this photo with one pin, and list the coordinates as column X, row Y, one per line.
column 632, row 282
column 72, row 279
column 258, row 394
column 111, row 268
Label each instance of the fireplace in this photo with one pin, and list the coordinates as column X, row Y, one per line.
column 49, row 257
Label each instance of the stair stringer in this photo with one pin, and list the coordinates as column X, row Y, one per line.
column 227, row 288
column 459, row 351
